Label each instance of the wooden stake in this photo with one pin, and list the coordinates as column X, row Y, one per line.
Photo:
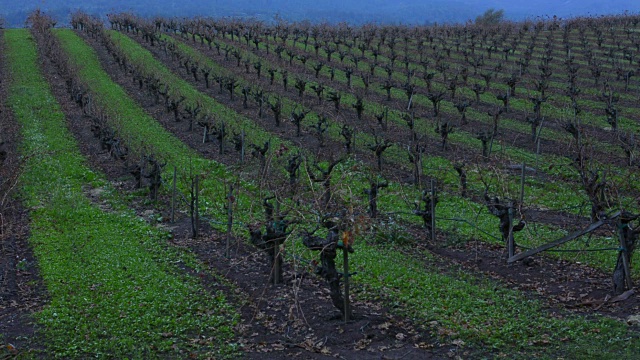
column 242, row 147
column 227, row 252
column 433, row 209
column 353, row 150
column 276, row 262
column 173, row 196
column 345, row 254
column 277, row 265
column 490, row 146
column 419, row 174
column 510, row 241
column 625, row 261
column 562, row 240
column 538, row 133
column 524, row 166
column 197, row 209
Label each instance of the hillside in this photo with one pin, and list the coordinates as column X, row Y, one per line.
column 226, row 188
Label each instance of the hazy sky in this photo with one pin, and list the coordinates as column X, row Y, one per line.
column 353, row 11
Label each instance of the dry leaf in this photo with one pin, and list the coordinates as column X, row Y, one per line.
column 362, row 344
column 458, row 342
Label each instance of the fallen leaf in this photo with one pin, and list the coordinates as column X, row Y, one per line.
column 362, row 344
column 458, row 342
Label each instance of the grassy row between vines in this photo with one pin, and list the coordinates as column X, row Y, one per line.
column 479, row 311
column 114, row 289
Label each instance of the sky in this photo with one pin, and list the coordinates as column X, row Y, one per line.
column 351, row 11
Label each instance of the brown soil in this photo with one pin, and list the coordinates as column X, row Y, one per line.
column 564, row 285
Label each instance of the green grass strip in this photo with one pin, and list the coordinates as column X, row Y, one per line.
column 114, row 291
column 458, row 305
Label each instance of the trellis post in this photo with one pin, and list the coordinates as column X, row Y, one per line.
column 433, row 209
column 510, row 241
column 197, row 207
column 345, row 254
column 625, row 260
column 524, row 166
column 173, row 196
column 242, row 150
column 227, row 252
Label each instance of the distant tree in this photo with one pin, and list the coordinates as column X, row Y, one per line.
column 490, row 17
